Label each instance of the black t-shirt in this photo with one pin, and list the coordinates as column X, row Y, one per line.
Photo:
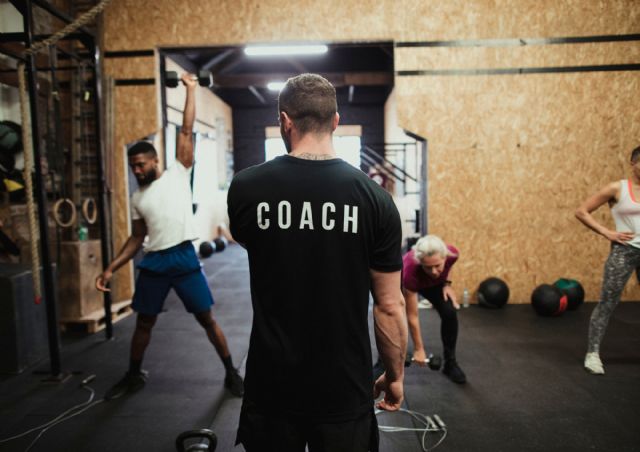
column 312, row 229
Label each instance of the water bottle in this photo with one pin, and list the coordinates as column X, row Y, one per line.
column 465, row 298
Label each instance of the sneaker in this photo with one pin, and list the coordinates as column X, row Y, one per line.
column 233, row 382
column 129, row 384
column 424, row 304
column 593, row 364
column 453, row 371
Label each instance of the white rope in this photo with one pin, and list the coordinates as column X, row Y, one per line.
column 28, row 168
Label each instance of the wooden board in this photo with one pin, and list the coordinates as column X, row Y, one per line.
column 96, row 321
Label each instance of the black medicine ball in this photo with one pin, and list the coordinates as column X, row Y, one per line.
column 548, row 300
column 493, row 293
column 573, row 290
column 207, row 249
column 220, row 243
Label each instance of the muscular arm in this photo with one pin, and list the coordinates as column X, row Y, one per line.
column 129, row 249
column 608, row 193
column 391, row 336
column 184, row 152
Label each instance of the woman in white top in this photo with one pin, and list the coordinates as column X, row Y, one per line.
column 623, row 198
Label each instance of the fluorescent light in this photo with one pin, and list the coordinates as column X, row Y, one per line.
column 264, row 50
column 275, row 86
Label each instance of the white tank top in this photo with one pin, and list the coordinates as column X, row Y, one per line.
column 626, row 212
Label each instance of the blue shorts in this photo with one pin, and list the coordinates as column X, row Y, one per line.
column 175, row 268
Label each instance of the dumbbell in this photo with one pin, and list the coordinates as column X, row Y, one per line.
column 433, row 361
column 208, row 443
column 204, row 78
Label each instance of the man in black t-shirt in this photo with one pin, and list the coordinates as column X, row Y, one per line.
column 320, row 236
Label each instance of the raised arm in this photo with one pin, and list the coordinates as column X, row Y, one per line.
column 390, row 323
column 129, row 249
column 184, row 153
column 607, row 194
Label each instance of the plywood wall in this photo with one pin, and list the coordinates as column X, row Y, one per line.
column 510, row 157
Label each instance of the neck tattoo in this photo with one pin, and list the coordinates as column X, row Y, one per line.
column 310, row 156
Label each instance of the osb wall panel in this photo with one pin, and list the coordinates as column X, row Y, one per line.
column 211, row 22
column 510, row 159
column 524, row 56
column 428, row 20
column 508, row 125
column 131, row 68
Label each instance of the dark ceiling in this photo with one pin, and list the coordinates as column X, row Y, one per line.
column 361, row 72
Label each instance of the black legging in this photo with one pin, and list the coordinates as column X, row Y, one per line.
column 448, row 317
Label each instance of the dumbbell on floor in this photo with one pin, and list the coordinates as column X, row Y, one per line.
column 433, row 361
column 204, row 78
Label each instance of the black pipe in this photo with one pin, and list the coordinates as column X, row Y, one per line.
column 41, row 199
column 424, row 172
column 103, row 198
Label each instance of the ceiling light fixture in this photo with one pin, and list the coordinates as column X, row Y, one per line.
column 275, row 86
column 276, row 50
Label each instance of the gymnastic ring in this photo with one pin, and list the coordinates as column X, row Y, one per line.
column 56, row 212
column 86, row 205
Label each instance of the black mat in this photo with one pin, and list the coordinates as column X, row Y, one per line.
column 527, row 390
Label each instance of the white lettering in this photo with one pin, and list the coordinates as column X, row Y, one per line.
column 327, row 223
column 263, row 223
column 350, row 218
column 306, row 216
column 284, row 214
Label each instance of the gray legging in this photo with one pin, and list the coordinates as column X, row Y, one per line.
column 621, row 263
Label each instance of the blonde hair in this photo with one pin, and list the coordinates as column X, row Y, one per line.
column 429, row 245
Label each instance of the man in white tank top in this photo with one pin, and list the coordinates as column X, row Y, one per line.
column 162, row 210
column 623, row 198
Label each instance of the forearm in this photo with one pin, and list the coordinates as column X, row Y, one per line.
column 413, row 319
column 587, row 219
column 129, row 249
column 391, row 338
column 189, row 114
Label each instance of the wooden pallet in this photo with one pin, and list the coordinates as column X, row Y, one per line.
column 96, row 321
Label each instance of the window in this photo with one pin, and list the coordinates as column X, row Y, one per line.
column 347, row 148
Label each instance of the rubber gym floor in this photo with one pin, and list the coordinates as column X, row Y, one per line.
column 527, row 390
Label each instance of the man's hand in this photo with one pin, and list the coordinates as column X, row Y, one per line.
column 189, row 80
column 393, row 393
column 102, row 281
column 419, row 357
column 449, row 294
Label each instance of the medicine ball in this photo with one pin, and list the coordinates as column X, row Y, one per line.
column 548, row 300
column 207, row 249
column 220, row 243
column 493, row 293
column 573, row 290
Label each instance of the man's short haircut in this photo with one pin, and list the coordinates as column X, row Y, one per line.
column 142, row 147
column 635, row 154
column 310, row 102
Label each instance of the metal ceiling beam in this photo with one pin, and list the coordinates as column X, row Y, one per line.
column 338, row 79
column 256, row 93
column 217, row 59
